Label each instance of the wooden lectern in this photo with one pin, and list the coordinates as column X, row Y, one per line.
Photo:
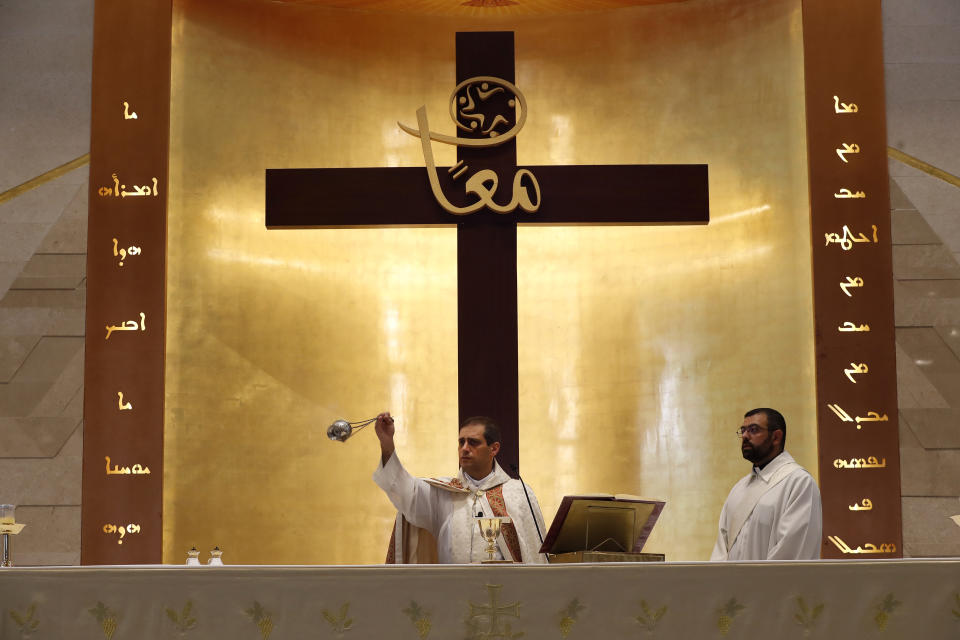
column 602, row 528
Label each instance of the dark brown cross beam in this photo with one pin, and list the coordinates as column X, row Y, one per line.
column 487, row 241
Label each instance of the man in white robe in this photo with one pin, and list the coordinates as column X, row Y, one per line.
column 447, row 508
column 774, row 513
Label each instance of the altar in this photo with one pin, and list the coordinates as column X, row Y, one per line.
column 824, row 599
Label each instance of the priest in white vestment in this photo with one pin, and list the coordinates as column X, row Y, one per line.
column 447, row 507
column 774, row 513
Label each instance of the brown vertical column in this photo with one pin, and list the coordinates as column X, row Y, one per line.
column 487, row 271
column 852, row 279
column 126, row 249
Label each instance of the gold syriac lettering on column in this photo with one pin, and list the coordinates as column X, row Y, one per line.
column 840, row 107
column 852, row 282
column 856, row 368
column 136, row 470
column 847, row 193
column 124, row 406
column 847, row 148
column 120, row 190
column 866, row 548
column 860, row 463
column 129, row 325
column 121, row 530
column 846, row 239
column 123, row 253
column 872, row 416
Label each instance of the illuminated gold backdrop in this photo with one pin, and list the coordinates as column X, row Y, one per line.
column 640, row 347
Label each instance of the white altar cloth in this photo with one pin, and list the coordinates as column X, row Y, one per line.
column 823, row 599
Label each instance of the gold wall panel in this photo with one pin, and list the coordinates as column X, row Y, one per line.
column 640, row 347
column 481, row 9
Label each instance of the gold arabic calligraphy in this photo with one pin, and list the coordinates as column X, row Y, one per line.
column 465, row 103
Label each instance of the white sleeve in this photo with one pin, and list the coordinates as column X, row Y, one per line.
column 414, row 498
column 800, row 528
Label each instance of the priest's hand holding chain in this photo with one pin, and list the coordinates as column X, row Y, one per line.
column 385, row 430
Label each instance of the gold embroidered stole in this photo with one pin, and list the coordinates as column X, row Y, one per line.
column 507, row 530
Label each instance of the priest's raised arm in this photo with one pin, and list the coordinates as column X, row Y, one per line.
column 447, row 507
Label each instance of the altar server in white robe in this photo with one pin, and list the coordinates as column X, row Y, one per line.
column 447, row 507
column 774, row 513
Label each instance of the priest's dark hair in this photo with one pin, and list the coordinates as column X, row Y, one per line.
column 775, row 420
column 491, row 432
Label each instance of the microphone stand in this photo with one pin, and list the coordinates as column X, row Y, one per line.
column 533, row 515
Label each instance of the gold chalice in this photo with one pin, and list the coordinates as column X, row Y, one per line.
column 490, row 530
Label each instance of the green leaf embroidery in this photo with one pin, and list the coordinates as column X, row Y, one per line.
column 26, row 622
column 183, row 621
column 108, row 619
column 807, row 617
column 569, row 615
column 650, row 618
column 340, row 624
column 884, row 611
column 419, row 618
column 726, row 615
column 262, row 618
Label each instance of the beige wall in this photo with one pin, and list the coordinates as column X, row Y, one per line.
column 46, row 51
column 922, row 55
column 44, row 122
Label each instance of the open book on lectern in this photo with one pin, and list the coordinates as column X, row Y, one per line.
column 604, row 523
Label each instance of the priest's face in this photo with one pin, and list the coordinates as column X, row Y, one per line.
column 758, row 444
column 476, row 456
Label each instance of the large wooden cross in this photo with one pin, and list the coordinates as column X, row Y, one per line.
column 487, row 241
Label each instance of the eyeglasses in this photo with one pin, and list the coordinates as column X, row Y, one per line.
column 751, row 430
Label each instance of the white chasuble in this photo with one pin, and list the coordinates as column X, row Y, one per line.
column 446, row 507
column 773, row 513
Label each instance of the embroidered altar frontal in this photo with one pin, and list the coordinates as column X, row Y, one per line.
column 830, row 599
